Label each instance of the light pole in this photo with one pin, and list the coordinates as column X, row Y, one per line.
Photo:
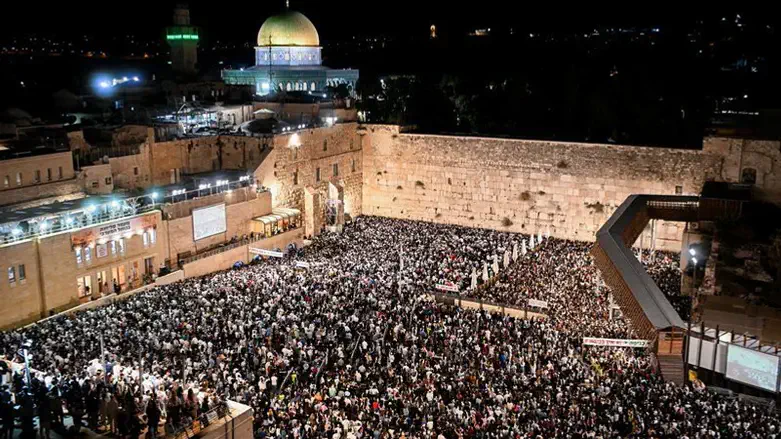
column 693, row 253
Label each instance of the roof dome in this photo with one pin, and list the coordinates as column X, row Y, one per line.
column 289, row 28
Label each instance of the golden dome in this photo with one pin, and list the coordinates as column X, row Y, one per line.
column 289, row 28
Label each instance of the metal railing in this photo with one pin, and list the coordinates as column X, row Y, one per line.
column 195, row 426
column 65, row 222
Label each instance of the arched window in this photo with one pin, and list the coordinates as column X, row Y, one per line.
column 312, row 86
column 303, row 86
column 298, row 86
column 289, row 86
column 281, row 86
column 287, row 56
column 748, row 176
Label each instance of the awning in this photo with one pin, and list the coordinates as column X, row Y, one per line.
column 278, row 214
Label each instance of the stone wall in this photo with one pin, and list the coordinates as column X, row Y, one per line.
column 97, row 179
column 521, row 185
column 205, row 154
column 238, row 221
column 293, row 163
column 743, row 158
column 226, row 259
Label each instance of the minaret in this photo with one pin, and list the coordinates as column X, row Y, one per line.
column 183, row 39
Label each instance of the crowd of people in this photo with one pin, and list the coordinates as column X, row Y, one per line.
column 353, row 346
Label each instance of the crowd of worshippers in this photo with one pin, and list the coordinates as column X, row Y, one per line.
column 354, row 347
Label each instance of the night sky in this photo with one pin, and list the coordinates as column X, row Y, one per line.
column 239, row 21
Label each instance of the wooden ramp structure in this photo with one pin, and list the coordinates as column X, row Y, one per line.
column 640, row 299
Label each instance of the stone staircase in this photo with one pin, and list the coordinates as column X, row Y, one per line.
column 671, row 367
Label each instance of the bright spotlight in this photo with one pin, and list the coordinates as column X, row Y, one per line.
column 692, row 252
column 104, row 84
column 91, row 208
column 68, row 220
column 43, row 226
column 154, row 195
column 17, row 231
column 115, row 204
column 135, row 78
column 694, row 260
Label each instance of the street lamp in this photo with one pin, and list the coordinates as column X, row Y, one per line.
column 692, row 252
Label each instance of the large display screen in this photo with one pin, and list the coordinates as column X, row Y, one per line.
column 752, row 367
column 209, row 221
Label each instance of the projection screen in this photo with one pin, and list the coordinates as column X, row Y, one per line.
column 209, row 221
column 752, row 367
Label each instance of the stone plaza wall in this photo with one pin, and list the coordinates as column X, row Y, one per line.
column 522, row 185
column 293, row 164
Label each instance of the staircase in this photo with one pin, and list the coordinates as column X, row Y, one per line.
column 671, row 367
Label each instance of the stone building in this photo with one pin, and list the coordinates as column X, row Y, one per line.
column 288, row 58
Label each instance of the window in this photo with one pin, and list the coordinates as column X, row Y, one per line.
column 325, row 145
column 122, row 246
column 60, row 170
column 94, row 184
column 678, row 190
column 18, row 178
column 48, row 174
column 353, row 166
column 295, row 177
column 317, row 174
column 312, row 85
column 113, row 246
column 37, row 175
column 304, row 86
column 135, row 171
column 336, row 169
column 748, row 176
column 7, row 181
column 152, row 236
column 287, row 56
column 289, row 86
column 78, row 255
column 145, row 238
column 108, row 181
column 11, row 275
column 22, row 272
column 88, row 254
column 251, row 155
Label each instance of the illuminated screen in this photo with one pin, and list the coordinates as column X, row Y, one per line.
column 209, row 221
column 752, row 367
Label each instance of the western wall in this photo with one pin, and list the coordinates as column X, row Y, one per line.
column 529, row 186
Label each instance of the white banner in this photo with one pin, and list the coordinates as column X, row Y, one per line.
column 264, row 252
column 451, row 288
column 538, row 303
column 302, row 264
column 614, row 342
